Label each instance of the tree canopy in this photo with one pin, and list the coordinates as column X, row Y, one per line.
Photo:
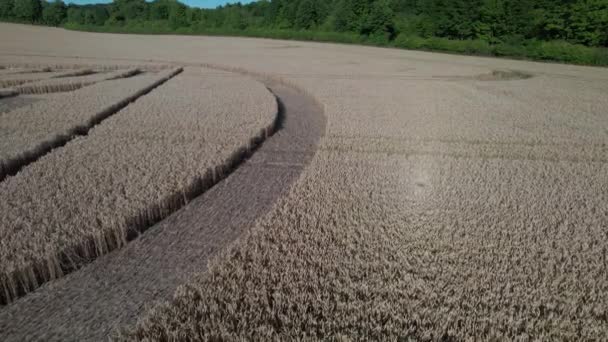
column 493, row 21
column 28, row 10
column 54, row 13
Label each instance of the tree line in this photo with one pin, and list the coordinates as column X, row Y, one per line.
column 408, row 23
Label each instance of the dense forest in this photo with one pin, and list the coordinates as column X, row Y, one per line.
column 565, row 30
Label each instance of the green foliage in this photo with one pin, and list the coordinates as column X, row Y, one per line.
column 54, row 13
column 406, row 41
column 129, row 10
column 560, row 51
column 76, row 15
column 177, row 15
column 88, row 15
column 159, row 10
column 589, row 23
column 380, row 21
column 345, row 17
column 234, row 18
column 6, row 9
column 100, row 15
column 573, row 31
column 308, row 14
column 28, row 10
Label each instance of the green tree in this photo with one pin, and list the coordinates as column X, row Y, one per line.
column 234, row 18
column 287, row 16
column 89, row 17
column 504, row 27
column 129, row 9
column 308, row 14
column 194, row 15
column 28, row 10
column 55, row 13
column 345, row 16
column 519, row 18
column 550, row 20
column 76, row 15
column 177, row 15
column 6, row 9
column 272, row 13
column 380, row 21
column 159, row 10
column 588, row 22
column 100, row 14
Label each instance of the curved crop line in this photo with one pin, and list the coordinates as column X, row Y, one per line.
column 12, row 166
column 16, row 71
column 190, row 238
column 21, row 282
column 66, row 84
column 264, row 78
column 13, row 82
column 96, row 66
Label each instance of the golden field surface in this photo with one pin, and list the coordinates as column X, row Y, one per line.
column 163, row 145
column 449, row 198
column 63, row 84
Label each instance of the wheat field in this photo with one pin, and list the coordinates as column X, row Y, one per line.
column 33, row 130
column 129, row 171
column 64, row 84
column 10, row 71
column 450, row 198
column 11, row 80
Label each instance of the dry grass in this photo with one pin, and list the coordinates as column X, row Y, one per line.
column 13, row 80
column 98, row 191
column 64, row 84
column 32, row 131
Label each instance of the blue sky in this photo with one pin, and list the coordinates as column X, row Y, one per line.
column 196, row 3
